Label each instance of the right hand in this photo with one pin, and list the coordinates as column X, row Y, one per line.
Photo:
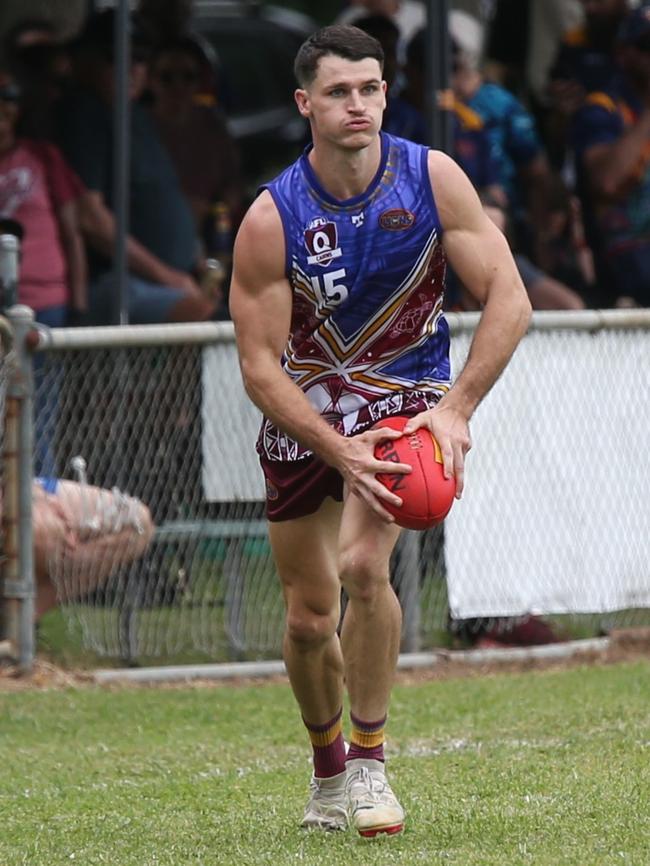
column 359, row 467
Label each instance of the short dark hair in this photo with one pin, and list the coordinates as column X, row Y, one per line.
column 342, row 40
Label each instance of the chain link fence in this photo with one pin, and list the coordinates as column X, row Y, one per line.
column 146, row 436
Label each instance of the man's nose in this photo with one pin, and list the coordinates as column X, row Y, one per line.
column 355, row 103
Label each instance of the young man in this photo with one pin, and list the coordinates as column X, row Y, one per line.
column 336, row 298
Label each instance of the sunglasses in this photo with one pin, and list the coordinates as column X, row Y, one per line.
column 177, row 77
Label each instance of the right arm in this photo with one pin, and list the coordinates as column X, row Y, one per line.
column 260, row 306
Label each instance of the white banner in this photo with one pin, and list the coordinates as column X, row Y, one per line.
column 555, row 517
column 230, row 423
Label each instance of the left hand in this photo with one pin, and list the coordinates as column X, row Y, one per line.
column 450, row 429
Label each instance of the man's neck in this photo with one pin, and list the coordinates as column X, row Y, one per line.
column 345, row 173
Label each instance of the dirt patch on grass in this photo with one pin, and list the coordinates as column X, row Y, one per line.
column 42, row 676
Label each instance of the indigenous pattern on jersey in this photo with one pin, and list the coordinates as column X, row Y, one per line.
column 368, row 337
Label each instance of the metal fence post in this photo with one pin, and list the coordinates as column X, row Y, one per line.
column 18, row 567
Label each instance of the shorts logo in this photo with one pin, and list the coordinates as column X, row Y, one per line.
column 397, row 219
column 321, row 239
column 271, row 491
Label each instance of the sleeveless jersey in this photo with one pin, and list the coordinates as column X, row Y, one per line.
column 368, row 337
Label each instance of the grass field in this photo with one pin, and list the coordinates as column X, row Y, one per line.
column 549, row 768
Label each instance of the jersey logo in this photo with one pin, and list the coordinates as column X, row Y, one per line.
column 357, row 219
column 321, row 239
column 397, row 219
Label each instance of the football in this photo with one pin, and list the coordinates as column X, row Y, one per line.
column 427, row 496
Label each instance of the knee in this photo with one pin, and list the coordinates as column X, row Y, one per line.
column 310, row 628
column 362, row 574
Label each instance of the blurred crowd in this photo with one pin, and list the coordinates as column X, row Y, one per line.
column 561, row 161
column 57, row 127
column 558, row 151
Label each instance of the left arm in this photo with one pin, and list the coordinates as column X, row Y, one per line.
column 480, row 255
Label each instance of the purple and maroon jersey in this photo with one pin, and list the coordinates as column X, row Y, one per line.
column 368, row 337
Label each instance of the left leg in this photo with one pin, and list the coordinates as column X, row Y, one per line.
column 372, row 624
column 370, row 643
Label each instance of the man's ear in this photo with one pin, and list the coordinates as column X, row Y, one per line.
column 302, row 101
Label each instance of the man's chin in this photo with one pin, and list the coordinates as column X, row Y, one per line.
column 356, row 139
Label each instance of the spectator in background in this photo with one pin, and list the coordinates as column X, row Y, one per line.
column 82, row 534
column 612, row 148
column 160, row 218
column 585, row 62
column 569, row 257
column 516, row 148
column 495, row 142
column 36, row 190
column 204, row 153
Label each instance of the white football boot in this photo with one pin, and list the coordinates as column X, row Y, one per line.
column 328, row 802
column 373, row 808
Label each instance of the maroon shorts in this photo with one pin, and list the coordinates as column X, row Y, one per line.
column 298, row 488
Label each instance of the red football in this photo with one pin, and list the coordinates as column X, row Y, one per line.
column 427, row 496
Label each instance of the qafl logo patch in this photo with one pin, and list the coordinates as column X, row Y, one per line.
column 397, row 219
column 321, row 240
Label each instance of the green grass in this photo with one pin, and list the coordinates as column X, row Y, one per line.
column 547, row 769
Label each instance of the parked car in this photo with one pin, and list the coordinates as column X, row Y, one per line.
column 253, row 47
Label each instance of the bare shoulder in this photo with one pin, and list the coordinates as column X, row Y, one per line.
column 456, row 199
column 259, row 245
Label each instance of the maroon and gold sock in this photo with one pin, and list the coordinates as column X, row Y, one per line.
column 329, row 748
column 367, row 739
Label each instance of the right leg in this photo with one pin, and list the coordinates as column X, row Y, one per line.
column 305, row 552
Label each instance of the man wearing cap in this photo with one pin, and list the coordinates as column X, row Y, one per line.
column 611, row 137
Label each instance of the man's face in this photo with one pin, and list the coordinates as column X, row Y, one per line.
column 345, row 102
